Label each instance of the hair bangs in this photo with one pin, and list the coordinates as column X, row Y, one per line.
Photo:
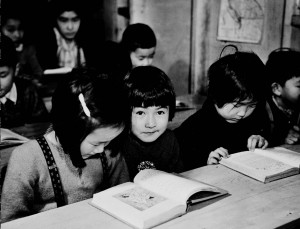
column 154, row 97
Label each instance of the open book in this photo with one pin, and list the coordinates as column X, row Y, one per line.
column 153, row 198
column 265, row 165
column 9, row 138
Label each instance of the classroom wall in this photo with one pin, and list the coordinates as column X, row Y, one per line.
column 187, row 35
column 171, row 22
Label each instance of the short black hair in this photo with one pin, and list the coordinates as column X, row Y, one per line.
column 282, row 65
column 138, row 36
column 237, row 77
column 57, row 7
column 8, row 53
column 104, row 106
column 149, row 86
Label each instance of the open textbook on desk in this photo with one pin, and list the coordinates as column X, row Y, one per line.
column 153, row 198
column 265, row 165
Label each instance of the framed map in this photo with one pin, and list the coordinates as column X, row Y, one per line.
column 241, row 20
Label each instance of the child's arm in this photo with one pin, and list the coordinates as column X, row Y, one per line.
column 293, row 135
column 216, row 155
column 257, row 141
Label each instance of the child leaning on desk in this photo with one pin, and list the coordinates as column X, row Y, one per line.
column 88, row 117
column 283, row 104
column 232, row 118
column 150, row 144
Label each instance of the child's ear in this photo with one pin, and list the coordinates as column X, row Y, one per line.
column 276, row 89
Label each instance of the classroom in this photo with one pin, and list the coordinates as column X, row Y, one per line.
column 188, row 46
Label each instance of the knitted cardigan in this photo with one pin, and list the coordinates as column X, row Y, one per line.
column 27, row 188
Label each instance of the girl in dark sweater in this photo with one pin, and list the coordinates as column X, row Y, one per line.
column 232, row 118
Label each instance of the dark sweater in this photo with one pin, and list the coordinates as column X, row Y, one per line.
column 163, row 154
column 206, row 130
column 281, row 123
column 29, row 107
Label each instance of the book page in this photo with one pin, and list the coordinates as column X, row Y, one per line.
column 170, row 185
column 140, row 198
column 282, row 154
column 9, row 137
column 255, row 165
column 54, row 71
column 137, row 206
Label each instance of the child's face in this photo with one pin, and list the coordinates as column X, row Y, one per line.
column 96, row 141
column 291, row 91
column 13, row 29
column 234, row 112
column 6, row 80
column 148, row 124
column 142, row 57
column 68, row 24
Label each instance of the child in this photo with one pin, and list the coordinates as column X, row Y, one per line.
column 232, row 118
column 67, row 43
column 20, row 102
column 140, row 43
column 88, row 116
column 283, row 105
column 152, row 100
column 13, row 26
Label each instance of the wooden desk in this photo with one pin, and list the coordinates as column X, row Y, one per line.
column 193, row 102
column 251, row 204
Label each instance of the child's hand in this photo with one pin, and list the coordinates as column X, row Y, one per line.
column 293, row 135
column 215, row 156
column 257, row 141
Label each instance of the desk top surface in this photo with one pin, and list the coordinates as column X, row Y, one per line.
column 251, row 204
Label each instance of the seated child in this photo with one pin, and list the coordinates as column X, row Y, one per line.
column 283, row 105
column 88, row 116
column 20, row 101
column 139, row 41
column 152, row 100
column 13, row 26
column 67, row 40
column 232, row 117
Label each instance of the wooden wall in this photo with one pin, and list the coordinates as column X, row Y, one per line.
column 207, row 48
column 171, row 22
column 187, row 35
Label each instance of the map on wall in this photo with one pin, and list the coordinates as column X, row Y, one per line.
column 241, row 20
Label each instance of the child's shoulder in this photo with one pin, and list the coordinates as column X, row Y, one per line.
column 27, row 152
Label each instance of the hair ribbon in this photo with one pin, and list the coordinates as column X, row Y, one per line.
column 83, row 104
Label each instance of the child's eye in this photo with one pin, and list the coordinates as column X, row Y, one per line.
column 3, row 74
column 76, row 19
column 252, row 106
column 237, row 105
column 62, row 19
column 161, row 112
column 139, row 113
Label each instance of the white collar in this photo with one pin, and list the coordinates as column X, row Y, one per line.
column 11, row 95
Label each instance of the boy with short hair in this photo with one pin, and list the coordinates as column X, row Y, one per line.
column 19, row 100
column 150, row 144
column 139, row 41
column 283, row 105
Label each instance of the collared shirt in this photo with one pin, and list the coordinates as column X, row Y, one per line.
column 67, row 52
column 11, row 95
column 287, row 112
